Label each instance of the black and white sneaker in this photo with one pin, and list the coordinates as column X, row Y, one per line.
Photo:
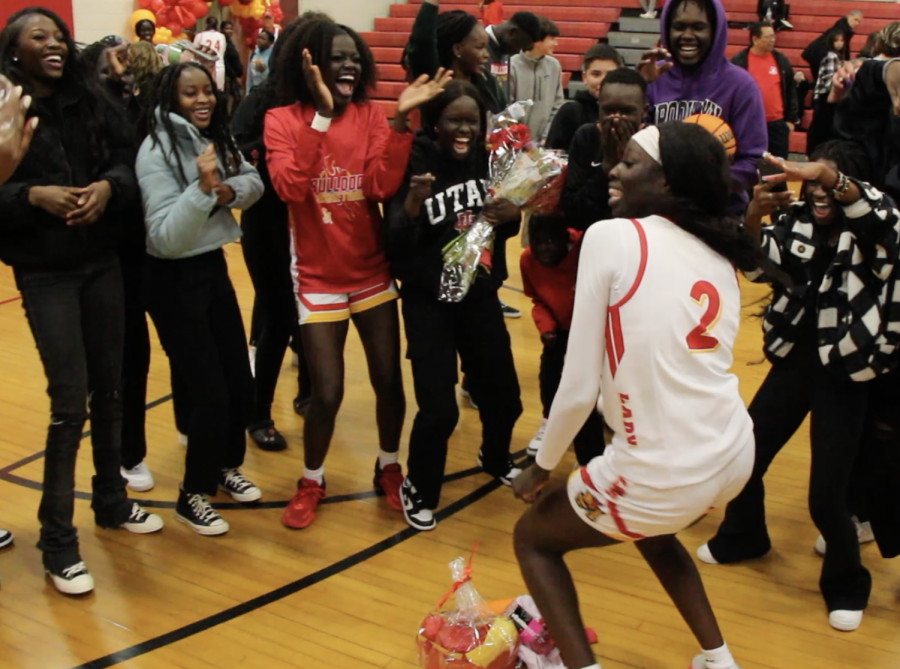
column 506, row 477
column 196, row 512
column 416, row 513
column 6, row 538
column 141, row 521
column 237, row 485
column 72, row 580
column 509, row 311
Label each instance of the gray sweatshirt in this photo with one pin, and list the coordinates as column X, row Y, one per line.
column 182, row 221
column 538, row 80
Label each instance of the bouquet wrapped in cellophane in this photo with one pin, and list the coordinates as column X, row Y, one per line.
column 520, row 171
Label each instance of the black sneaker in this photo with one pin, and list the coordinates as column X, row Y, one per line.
column 72, row 580
column 6, row 538
column 508, row 311
column 267, row 437
column 196, row 512
column 301, row 405
column 416, row 513
column 238, row 486
column 507, row 475
column 141, row 521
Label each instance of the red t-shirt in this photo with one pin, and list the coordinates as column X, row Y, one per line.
column 492, row 14
column 332, row 183
column 552, row 289
column 768, row 77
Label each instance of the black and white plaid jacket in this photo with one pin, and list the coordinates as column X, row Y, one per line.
column 859, row 297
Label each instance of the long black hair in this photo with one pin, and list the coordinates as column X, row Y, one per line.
column 431, row 112
column 698, row 175
column 831, row 37
column 452, row 28
column 100, row 116
column 318, row 36
column 163, row 98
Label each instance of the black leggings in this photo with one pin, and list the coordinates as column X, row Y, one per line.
column 794, row 388
column 266, row 246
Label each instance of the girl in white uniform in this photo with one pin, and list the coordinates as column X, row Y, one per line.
column 657, row 311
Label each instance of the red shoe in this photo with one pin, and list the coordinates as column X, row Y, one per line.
column 389, row 481
column 301, row 510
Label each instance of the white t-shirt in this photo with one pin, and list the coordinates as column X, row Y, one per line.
column 215, row 41
column 656, row 316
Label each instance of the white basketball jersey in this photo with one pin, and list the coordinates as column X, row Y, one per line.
column 666, row 310
column 215, row 41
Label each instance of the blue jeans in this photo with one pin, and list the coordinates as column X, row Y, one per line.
column 77, row 319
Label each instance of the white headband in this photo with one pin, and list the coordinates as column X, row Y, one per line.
column 648, row 140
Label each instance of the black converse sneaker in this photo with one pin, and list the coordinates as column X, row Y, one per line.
column 72, row 580
column 141, row 521
column 196, row 512
column 236, row 485
column 506, row 477
column 416, row 513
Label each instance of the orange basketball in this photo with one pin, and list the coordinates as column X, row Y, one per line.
column 717, row 127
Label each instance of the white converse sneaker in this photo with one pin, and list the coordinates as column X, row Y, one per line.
column 535, row 444
column 700, row 663
column 705, row 555
column 141, row 521
column 138, row 477
column 238, row 486
column 845, row 621
column 863, row 532
column 72, row 580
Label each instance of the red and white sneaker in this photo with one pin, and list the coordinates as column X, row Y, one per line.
column 388, row 481
column 699, row 662
column 301, row 510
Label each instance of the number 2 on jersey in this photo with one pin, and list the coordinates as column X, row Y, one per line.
column 700, row 340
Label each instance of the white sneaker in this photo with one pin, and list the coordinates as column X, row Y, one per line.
column 535, row 444
column 700, row 663
column 295, row 361
column 73, row 580
column 182, row 439
column 705, row 555
column 6, row 538
column 239, row 486
column 139, row 478
column 467, row 397
column 845, row 621
column 863, row 532
column 141, row 521
column 251, row 352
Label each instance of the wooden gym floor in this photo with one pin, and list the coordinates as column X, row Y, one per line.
column 350, row 591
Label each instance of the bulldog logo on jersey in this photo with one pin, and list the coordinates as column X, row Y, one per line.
column 590, row 505
column 335, row 185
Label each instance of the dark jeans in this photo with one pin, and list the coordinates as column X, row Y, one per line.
column 136, row 358
column 196, row 313
column 266, row 246
column 589, row 441
column 794, row 388
column 779, row 138
column 76, row 317
column 436, row 333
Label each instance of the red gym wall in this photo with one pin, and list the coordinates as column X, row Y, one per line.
column 61, row 7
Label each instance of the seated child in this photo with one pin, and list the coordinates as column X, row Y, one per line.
column 549, row 268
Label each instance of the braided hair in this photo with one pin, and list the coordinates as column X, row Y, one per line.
column 99, row 114
column 452, row 28
column 163, row 98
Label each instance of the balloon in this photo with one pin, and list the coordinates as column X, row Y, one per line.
column 141, row 15
column 226, row 3
column 175, row 28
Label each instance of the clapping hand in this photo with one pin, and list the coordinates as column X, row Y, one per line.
column 208, row 167
column 14, row 148
column 322, row 96
column 422, row 90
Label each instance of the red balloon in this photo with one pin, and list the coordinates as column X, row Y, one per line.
column 197, row 7
column 176, row 28
column 156, row 6
column 144, row 4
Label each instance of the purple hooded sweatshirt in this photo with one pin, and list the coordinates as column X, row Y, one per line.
column 719, row 88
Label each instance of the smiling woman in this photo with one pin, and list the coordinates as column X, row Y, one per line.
column 59, row 237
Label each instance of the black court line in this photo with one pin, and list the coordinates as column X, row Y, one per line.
column 280, row 593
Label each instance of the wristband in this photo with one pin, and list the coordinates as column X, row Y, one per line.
column 842, row 186
column 320, row 123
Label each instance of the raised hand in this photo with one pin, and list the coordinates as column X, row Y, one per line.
column 13, row 149
column 794, row 171
column 654, row 63
column 92, row 201
column 422, row 90
column 208, row 167
column 615, row 133
column 321, row 93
